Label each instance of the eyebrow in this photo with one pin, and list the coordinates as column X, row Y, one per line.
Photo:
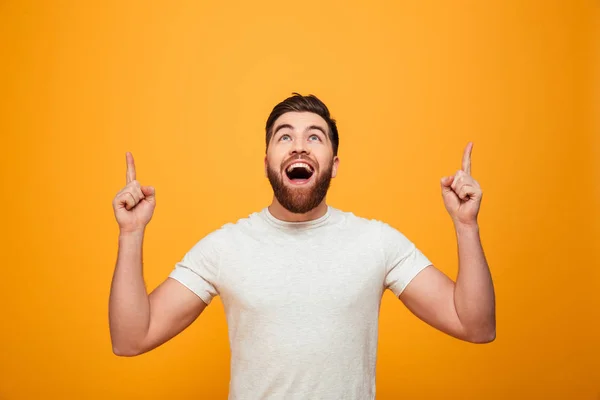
column 317, row 127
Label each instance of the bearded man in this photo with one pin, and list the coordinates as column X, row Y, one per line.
column 301, row 281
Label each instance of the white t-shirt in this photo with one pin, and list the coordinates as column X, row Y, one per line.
column 301, row 300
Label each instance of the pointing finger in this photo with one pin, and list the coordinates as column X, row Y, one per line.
column 466, row 161
column 130, row 167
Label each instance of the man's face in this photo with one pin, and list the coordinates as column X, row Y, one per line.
column 299, row 161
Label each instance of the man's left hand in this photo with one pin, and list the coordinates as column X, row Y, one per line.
column 461, row 193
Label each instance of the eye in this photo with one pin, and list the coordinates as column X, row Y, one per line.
column 314, row 137
column 284, row 137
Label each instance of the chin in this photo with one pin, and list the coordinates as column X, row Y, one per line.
column 299, row 197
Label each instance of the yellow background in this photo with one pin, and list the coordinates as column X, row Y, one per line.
column 187, row 87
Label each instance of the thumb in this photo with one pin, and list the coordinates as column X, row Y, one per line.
column 148, row 192
column 446, row 182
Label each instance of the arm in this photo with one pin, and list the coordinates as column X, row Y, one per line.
column 464, row 309
column 138, row 322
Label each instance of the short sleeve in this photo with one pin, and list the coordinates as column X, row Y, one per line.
column 198, row 270
column 403, row 260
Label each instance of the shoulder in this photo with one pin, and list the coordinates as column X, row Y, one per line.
column 211, row 247
column 384, row 233
column 229, row 231
column 370, row 225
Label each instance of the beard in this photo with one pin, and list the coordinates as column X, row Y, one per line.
column 300, row 200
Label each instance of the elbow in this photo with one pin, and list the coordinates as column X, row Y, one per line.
column 482, row 336
column 125, row 350
column 126, row 345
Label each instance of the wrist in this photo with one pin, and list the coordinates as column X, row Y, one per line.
column 466, row 228
column 131, row 234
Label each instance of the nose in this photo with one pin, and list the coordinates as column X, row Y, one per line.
column 299, row 147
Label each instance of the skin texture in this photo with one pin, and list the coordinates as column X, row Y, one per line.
column 140, row 322
column 300, row 135
column 466, row 308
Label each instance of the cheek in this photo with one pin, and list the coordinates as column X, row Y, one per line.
column 274, row 157
column 273, row 164
column 324, row 160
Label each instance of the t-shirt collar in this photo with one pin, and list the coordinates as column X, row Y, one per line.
column 271, row 219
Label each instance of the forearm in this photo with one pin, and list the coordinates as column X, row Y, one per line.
column 474, row 297
column 129, row 308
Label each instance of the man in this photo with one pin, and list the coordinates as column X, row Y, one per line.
column 301, row 282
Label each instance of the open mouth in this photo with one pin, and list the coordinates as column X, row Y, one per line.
column 299, row 172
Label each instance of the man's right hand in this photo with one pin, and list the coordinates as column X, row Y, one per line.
column 134, row 204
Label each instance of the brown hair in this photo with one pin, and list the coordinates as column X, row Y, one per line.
column 299, row 103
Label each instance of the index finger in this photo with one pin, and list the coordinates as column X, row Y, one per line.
column 466, row 161
column 130, row 167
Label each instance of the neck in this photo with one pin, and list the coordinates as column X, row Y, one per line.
column 283, row 214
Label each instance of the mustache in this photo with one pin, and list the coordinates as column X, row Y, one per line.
column 299, row 157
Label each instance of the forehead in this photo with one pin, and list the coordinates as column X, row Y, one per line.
column 300, row 120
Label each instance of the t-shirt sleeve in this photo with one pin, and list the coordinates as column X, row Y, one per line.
column 403, row 260
column 198, row 270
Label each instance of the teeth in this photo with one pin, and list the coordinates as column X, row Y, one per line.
column 299, row 165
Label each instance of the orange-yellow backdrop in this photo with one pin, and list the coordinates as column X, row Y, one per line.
column 187, row 86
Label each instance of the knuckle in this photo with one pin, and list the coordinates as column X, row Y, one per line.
column 128, row 197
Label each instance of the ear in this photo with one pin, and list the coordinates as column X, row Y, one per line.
column 336, row 163
column 266, row 166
